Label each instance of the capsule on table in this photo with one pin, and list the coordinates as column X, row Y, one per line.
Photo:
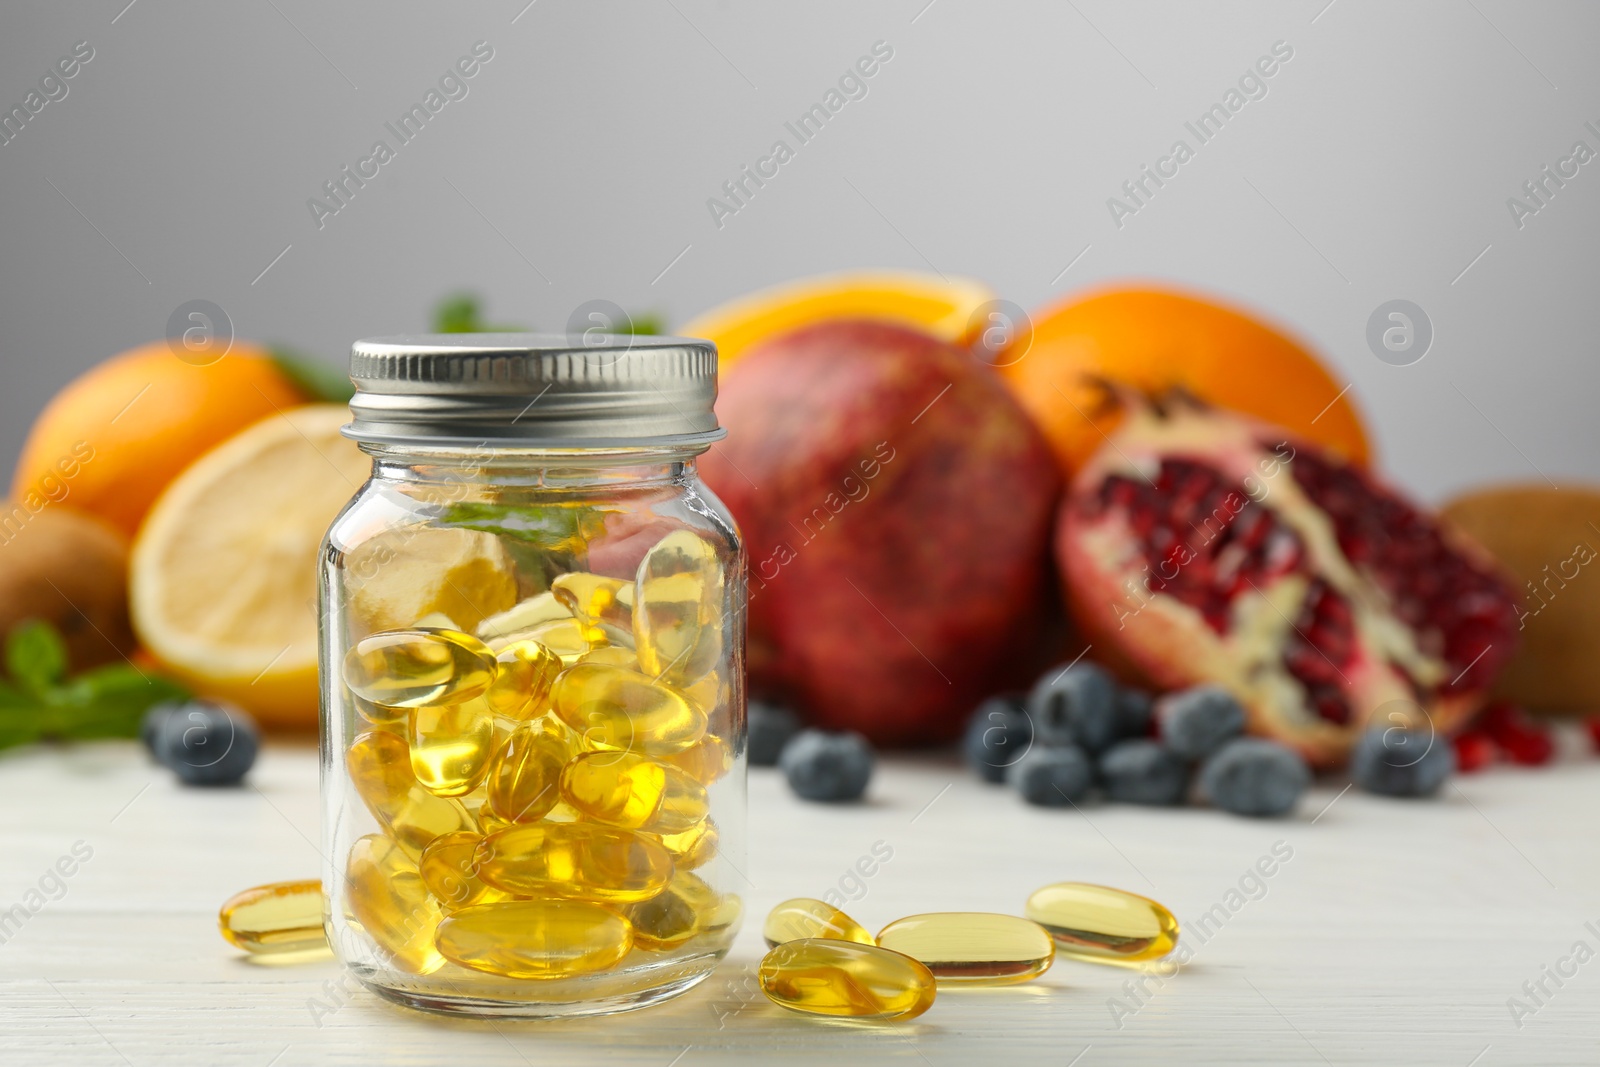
column 972, row 947
column 408, row 668
column 633, row 791
column 449, row 870
column 674, row 915
column 451, row 746
column 1096, row 922
column 580, row 861
column 821, row 976
column 615, row 708
column 386, row 897
column 536, row 939
column 524, row 783
column 805, row 917
column 281, row 917
column 707, row 760
column 693, row 847
column 603, row 605
column 524, row 672
column 380, row 769
column 677, row 612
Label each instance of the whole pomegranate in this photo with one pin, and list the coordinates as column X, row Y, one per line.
column 897, row 506
column 1203, row 546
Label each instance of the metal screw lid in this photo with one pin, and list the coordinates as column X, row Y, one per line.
column 534, row 390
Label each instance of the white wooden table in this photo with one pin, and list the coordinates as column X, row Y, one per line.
column 1396, row 933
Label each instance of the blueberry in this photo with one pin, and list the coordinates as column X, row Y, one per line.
column 206, row 743
column 1133, row 712
column 1401, row 763
column 1075, row 706
column 1196, row 722
column 1052, row 777
column 770, row 727
column 1143, row 772
column 150, row 725
column 998, row 734
column 1249, row 776
column 827, row 766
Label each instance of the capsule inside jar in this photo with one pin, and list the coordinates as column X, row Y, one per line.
column 525, row 781
column 535, row 939
column 386, row 897
column 1096, row 922
column 379, row 763
column 603, row 605
column 633, row 791
column 408, row 668
column 451, row 745
column 674, row 915
column 524, row 672
column 615, row 708
column 579, row 861
column 449, row 869
column 677, row 613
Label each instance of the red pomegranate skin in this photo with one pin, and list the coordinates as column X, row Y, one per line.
column 1158, row 633
column 897, row 505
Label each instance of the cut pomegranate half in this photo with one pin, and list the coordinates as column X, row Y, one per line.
column 1202, row 546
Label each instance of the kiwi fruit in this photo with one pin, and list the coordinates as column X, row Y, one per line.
column 1548, row 541
column 71, row 571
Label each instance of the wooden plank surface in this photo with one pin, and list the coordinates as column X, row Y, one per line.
column 1396, row 932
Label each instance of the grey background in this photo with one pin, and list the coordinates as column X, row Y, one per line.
column 578, row 168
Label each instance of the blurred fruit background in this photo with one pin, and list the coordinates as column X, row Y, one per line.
column 1175, row 427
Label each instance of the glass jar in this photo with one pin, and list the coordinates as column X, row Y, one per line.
column 532, row 661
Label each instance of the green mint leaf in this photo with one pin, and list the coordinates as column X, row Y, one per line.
column 316, row 378
column 36, row 658
column 642, row 325
column 463, row 313
column 550, row 526
column 109, row 701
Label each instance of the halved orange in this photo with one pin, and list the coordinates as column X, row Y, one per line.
column 942, row 307
column 1153, row 340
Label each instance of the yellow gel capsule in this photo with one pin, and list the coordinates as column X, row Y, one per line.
column 706, row 694
column 603, row 605
column 525, row 782
column 564, row 637
column 449, row 870
column 972, row 947
column 804, row 917
column 408, row 668
column 1095, row 922
column 677, row 614
column 378, row 714
column 611, row 707
column 727, row 912
column 451, row 746
column 673, row 915
column 579, row 861
column 380, row 769
column 521, row 616
column 536, row 938
column 524, row 671
column 281, row 917
column 707, row 760
column 612, row 656
column 633, row 791
column 693, row 847
column 820, row 976
column 386, row 896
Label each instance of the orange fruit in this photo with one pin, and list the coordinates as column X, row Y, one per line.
column 942, row 307
column 114, row 438
column 1156, row 340
column 223, row 576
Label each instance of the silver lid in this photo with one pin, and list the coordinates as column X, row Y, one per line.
column 534, row 390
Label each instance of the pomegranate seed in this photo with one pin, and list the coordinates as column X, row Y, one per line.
column 1474, row 751
column 1529, row 749
column 1501, row 719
